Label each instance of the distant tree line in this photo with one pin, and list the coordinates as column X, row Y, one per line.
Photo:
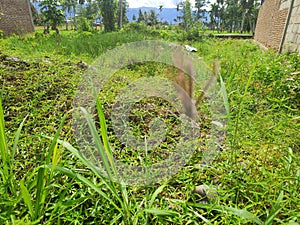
column 229, row 15
column 112, row 13
column 234, row 15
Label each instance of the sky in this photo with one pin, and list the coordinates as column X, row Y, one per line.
column 156, row 3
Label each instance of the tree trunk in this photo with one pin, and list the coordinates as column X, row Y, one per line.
column 74, row 21
column 120, row 14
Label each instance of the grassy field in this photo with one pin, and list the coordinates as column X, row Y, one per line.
column 256, row 175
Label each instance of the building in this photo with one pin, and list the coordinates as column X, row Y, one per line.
column 278, row 25
column 15, row 17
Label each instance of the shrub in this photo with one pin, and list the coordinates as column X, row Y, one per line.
column 134, row 26
column 84, row 24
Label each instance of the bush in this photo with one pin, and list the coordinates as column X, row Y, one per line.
column 84, row 24
column 134, row 26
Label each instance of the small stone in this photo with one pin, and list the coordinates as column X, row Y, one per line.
column 191, row 49
column 82, row 65
column 207, row 193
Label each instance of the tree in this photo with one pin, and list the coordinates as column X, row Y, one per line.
column 53, row 14
column 125, row 7
column 214, row 16
column 250, row 10
column 70, row 6
column 160, row 8
column 199, row 5
column 120, row 14
column 145, row 17
column 133, row 17
column 140, row 17
column 239, row 15
column 37, row 18
column 90, row 10
column 108, row 9
column 152, row 18
column 221, row 9
column 186, row 8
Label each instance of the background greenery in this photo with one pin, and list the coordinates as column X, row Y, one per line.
column 41, row 182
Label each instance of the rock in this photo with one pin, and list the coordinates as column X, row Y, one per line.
column 191, row 49
column 208, row 193
column 82, row 65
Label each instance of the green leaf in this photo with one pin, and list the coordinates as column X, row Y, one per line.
column 104, row 135
column 54, row 140
column 242, row 213
column 153, row 197
column 224, row 95
column 3, row 144
column 40, row 191
column 275, row 210
column 17, row 137
column 88, row 183
column 27, row 198
column 98, row 143
column 160, row 212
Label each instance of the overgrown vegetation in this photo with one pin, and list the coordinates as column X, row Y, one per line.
column 41, row 182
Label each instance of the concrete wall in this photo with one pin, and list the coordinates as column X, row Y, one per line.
column 15, row 17
column 291, row 41
column 271, row 23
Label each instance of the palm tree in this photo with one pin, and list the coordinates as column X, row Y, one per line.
column 214, row 16
column 70, row 6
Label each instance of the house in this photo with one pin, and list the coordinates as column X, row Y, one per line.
column 15, row 17
column 278, row 25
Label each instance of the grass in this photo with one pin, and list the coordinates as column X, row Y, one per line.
column 45, row 179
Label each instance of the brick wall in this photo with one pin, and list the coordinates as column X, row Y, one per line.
column 271, row 22
column 292, row 38
column 15, row 17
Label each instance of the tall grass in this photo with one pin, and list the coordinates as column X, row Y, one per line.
column 71, row 45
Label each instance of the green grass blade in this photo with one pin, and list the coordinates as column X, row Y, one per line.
column 98, row 143
column 276, row 209
column 27, row 198
column 54, row 140
column 3, row 145
column 225, row 96
column 17, row 137
column 40, row 192
column 161, row 212
column 88, row 164
column 55, row 158
column 104, row 135
column 88, row 183
column 242, row 213
column 157, row 192
column 109, row 154
column 201, row 217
